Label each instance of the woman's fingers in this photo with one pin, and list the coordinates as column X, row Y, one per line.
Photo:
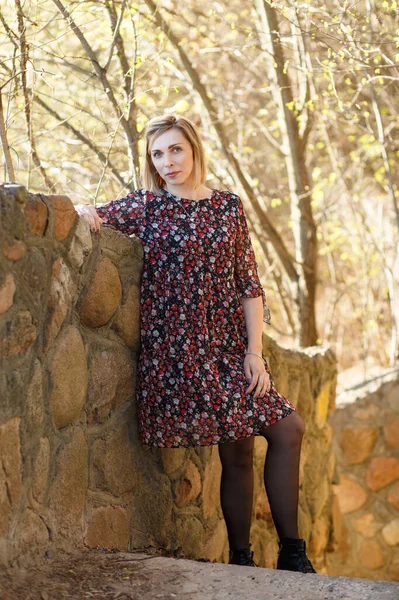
column 262, row 383
column 266, row 384
column 262, row 386
column 257, row 375
column 89, row 213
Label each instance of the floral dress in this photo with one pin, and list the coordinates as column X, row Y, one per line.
column 198, row 263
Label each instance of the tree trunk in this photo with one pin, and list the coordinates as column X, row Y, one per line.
column 304, row 228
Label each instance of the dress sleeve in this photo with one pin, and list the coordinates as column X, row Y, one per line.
column 124, row 214
column 245, row 267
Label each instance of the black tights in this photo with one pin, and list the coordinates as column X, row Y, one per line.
column 281, row 477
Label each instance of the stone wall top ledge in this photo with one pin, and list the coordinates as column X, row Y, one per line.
column 365, row 389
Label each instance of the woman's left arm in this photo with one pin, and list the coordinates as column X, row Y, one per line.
column 254, row 367
column 253, row 314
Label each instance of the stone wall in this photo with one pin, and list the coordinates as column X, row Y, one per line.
column 366, row 443
column 73, row 471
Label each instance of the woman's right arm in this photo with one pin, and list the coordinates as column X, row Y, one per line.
column 124, row 214
column 89, row 213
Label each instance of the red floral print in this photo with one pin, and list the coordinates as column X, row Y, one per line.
column 198, row 262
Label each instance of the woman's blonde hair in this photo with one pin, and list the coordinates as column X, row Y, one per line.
column 157, row 126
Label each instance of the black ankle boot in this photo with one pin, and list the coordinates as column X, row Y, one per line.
column 242, row 557
column 292, row 556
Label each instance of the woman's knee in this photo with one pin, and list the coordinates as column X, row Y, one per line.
column 237, row 454
column 288, row 430
column 298, row 425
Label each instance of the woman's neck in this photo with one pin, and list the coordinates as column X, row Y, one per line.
column 187, row 191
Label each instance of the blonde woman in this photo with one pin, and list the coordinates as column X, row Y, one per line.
column 202, row 378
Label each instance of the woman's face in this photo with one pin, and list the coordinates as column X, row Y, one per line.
column 172, row 156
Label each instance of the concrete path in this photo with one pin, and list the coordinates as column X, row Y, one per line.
column 104, row 575
column 168, row 578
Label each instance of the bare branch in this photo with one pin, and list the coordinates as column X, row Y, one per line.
column 4, row 143
column 263, row 218
column 24, row 60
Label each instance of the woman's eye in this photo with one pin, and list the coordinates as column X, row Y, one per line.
column 156, row 154
column 177, row 148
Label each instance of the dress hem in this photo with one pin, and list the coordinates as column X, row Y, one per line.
column 253, row 434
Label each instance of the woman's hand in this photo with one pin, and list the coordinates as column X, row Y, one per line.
column 256, row 374
column 89, row 213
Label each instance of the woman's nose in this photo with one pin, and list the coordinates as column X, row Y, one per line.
column 168, row 160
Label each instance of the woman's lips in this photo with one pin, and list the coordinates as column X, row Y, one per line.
column 173, row 174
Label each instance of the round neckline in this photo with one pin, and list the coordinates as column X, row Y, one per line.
column 189, row 199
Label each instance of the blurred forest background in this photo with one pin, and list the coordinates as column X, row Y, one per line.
column 298, row 105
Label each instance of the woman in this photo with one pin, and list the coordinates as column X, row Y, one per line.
column 202, row 379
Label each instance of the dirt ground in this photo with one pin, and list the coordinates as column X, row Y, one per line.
column 93, row 574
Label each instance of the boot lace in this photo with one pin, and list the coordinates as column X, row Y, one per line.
column 304, row 563
column 242, row 557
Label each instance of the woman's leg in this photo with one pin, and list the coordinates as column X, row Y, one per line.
column 236, row 490
column 281, row 473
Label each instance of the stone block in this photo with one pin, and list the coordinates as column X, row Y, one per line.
column 189, row 487
column 126, row 251
column 19, row 336
column 391, row 430
column 391, row 398
column 305, row 401
column 358, row 443
column 111, row 384
column 34, row 415
column 10, row 471
column 173, row 459
column 7, row 291
column 33, row 277
column 326, row 435
column 36, row 215
column 211, row 486
column 262, row 509
column 151, row 501
column 268, row 554
column 13, row 198
column 64, row 215
column 204, row 453
column 331, row 467
column 61, row 298
column 304, row 522
column 394, row 570
column 319, row 536
column 113, row 467
column 81, row 244
column 367, row 413
column 323, row 405
column 69, row 489
column 371, row 555
column 351, row 495
column 383, row 470
column 69, row 377
column 300, row 386
column 318, row 497
column 41, row 471
column 14, row 251
column 102, row 296
column 127, row 321
column 190, row 536
column 366, row 525
column 216, row 542
column 390, row 533
column 393, row 496
column 31, row 533
column 336, row 521
column 108, row 527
